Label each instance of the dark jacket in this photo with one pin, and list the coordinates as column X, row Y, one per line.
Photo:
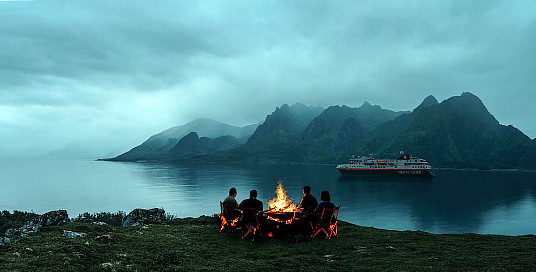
column 308, row 203
column 229, row 205
column 326, row 218
column 325, row 205
column 250, row 203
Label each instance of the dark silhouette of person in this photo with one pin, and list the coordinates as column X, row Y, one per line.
column 326, row 202
column 253, row 206
column 230, row 205
column 308, row 202
column 323, row 216
column 252, row 202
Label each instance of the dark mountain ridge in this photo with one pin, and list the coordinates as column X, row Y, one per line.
column 458, row 132
column 340, row 129
column 191, row 146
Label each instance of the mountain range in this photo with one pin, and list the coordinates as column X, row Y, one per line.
column 167, row 144
column 458, row 132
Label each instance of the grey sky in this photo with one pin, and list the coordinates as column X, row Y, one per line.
column 111, row 73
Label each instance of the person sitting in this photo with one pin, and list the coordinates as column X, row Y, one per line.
column 326, row 202
column 308, row 202
column 252, row 202
column 325, row 222
column 230, row 205
column 251, row 208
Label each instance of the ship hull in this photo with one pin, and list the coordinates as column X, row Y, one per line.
column 384, row 172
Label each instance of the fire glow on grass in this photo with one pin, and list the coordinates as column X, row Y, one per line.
column 281, row 203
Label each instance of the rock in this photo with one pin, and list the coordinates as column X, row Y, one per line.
column 34, row 226
column 53, row 218
column 111, row 265
column 30, row 228
column 72, row 234
column 12, row 232
column 107, row 265
column 100, row 223
column 143, row 216
column 103, row 238
column 5, row 240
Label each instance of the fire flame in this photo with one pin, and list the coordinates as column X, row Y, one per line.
column 281, row 203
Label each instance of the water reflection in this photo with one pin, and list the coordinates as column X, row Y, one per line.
column 453, row 202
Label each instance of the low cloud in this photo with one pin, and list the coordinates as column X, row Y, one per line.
column 122, row 71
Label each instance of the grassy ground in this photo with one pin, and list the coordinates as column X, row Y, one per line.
column 196, row 245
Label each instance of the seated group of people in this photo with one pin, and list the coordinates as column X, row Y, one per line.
column 308, row 204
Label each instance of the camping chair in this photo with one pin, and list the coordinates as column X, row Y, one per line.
column 326, row 223
column 250, row 223
column 225, row 222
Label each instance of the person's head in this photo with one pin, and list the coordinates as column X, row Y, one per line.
column 324, row 196
column 253, row 194
column 306, row 190
column 232, row 192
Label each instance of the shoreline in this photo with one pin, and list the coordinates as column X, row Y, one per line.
column 118, row 214
column 188, row 162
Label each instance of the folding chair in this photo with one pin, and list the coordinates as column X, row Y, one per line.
column 225, row 222
column 250, row 223
column 327, row 223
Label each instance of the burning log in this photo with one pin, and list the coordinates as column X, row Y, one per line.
column 281, row 209
column 281, row 203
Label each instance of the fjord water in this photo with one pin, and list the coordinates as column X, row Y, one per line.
column 456, row 201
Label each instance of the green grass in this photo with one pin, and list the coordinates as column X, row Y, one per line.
column 194, row 244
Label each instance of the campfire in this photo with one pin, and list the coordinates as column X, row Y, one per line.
column 281, row 209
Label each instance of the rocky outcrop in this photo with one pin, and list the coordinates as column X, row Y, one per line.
column 52, row 218
column 139, row 217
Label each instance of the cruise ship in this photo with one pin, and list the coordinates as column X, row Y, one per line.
column 405, row 165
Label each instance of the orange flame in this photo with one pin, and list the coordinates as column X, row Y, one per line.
column 281, row 203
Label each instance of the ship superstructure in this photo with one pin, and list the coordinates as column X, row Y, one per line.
column 405, row 165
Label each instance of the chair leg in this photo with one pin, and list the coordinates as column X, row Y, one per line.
column 327, row 233
column 249, row 230
column 223, row 223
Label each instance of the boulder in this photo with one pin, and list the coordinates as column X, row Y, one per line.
column 139, row 217
column 29, row 228
column 53, row 218
column 4, row 241
column 72, row 234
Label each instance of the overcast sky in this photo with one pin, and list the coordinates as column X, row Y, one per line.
column 112, row 73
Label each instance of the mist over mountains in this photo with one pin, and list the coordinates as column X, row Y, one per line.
column 458, row 132
column 168, row 144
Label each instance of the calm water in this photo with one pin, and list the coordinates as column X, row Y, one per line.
column 453, row 202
